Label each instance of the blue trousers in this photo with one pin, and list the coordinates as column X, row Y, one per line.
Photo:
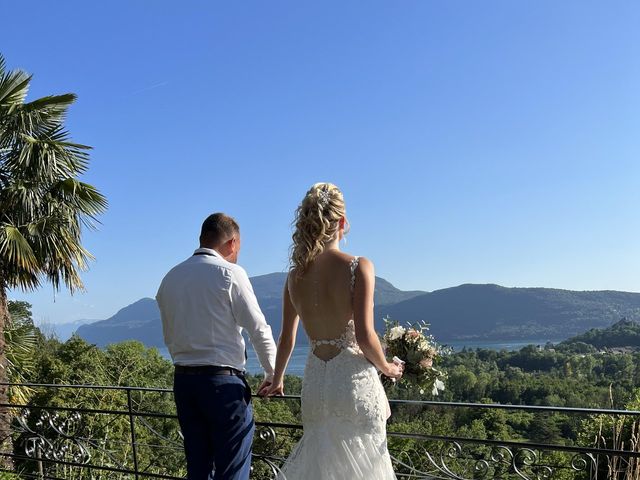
column 216, row 420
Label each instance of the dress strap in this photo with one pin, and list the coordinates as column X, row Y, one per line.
column 353, row 265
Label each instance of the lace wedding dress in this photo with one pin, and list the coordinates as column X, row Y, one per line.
column 344, row 415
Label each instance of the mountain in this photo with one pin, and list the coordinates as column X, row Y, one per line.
column 466, row 312
column 139, row 321
column 269, row 287
column 625, row 333
column 493, row 312
column 62, row 331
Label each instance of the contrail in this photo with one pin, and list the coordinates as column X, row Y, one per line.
column 151, row 87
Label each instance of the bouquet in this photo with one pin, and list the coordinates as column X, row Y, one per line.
column 419, row 351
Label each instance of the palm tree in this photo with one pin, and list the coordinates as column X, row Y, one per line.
column 21, row 344
column 43, row 204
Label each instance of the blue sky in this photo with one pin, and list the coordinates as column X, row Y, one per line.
column 485, row 142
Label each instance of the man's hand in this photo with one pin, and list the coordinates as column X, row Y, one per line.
column 275, row 390
column 264, row 388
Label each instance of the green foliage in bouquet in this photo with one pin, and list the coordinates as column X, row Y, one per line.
column 420, row 352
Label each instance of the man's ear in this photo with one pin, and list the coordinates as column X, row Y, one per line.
column 232, row 244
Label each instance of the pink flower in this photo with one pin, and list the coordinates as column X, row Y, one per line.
column 411, row 333
column 426, row 362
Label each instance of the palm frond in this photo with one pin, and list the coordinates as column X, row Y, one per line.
column 26, row 280
column 19, row 196
column 47, row 157
column 83, row 197
column 16, row 249
column 14, row 87
column 39, row 116
column 20, row 347
column 51, row 104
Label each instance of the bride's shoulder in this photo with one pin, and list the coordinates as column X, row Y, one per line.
column 293, row 276
column 362, row 263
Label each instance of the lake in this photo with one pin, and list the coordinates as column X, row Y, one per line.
column 299, row 356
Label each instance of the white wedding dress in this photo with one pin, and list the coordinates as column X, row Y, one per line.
column 344, row 415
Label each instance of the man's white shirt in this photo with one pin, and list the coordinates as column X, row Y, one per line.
column 205, row 303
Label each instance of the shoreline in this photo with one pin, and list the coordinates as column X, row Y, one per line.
column 299, row 356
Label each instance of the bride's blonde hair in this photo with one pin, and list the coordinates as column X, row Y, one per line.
column 317, row 222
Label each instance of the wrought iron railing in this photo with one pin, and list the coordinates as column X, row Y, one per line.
column 108, row 432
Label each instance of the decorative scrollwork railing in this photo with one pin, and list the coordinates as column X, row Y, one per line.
column 81, row 439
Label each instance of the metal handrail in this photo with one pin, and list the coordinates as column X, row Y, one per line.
column 132, row 413
column 435, row 403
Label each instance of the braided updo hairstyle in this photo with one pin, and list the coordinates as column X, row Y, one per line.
column 317, row 222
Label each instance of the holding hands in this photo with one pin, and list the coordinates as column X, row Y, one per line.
column 271, row 389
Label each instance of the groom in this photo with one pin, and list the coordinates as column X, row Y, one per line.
column 205, row 303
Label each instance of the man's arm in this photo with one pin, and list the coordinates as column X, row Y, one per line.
column 160, row 302
column 248, row 315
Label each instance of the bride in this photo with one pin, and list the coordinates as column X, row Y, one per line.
column 344, row 406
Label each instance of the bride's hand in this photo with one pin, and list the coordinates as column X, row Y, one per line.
column 393, row 370
column 275, row 390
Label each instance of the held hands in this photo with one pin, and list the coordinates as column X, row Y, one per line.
column 264, row 386
column 268, row 389
column 275, row 390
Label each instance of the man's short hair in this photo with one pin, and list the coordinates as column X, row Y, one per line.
column 218, row 228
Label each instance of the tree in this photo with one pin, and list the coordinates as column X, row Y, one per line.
column 21, row 337
column 616, row 432
column 43, row 204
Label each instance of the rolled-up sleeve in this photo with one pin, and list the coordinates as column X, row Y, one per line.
column 248, row 315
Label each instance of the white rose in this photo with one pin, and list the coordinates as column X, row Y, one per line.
column 396, row 332
column 437, row 385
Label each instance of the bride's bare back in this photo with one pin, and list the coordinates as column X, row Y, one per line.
column 323, row 299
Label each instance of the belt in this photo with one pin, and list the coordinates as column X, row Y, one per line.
column 207, row 370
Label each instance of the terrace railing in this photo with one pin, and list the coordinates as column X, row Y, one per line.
column 117, row 432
